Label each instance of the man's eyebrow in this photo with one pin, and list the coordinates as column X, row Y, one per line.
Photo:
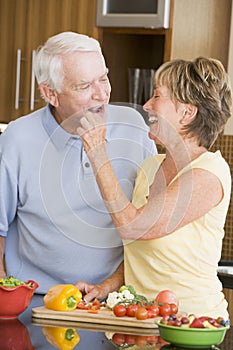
column 89, row 82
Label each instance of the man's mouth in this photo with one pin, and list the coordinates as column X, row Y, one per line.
column 97, row 109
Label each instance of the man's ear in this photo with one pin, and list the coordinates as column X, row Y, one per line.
column 49, row 95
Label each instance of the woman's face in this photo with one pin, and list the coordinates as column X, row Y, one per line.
column 85, row 86
column 164, row 116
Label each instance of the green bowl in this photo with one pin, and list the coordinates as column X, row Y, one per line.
column 193, row 338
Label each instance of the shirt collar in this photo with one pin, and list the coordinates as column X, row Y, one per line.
column 59, row 136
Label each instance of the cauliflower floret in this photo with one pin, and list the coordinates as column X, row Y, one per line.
column 127, row 295
column 115, row 297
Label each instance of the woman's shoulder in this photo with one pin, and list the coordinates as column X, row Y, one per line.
column 211, row 161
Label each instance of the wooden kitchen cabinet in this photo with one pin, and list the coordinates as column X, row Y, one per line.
column 24, row 25
column 197, row 28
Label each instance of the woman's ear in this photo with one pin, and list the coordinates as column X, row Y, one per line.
column 49, row 95
column 189, row 114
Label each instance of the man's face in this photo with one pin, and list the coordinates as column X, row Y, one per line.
column 86, row 85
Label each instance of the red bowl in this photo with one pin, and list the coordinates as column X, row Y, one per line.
column 13, row 301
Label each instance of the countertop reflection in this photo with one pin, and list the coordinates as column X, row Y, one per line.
column 26, row 333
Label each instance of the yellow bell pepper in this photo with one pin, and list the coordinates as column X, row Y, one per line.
column 61, row 338
column 62, row 297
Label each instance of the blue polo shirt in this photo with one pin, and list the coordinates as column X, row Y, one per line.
column 57, row 227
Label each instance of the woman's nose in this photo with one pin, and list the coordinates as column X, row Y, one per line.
column 147, row 106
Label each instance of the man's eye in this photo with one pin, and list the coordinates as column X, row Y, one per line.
column 84, row 87
column 104, row 79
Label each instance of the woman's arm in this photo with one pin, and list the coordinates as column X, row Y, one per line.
column 186, row 199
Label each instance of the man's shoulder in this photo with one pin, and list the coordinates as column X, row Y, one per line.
column 22, row 128
column 26, row 120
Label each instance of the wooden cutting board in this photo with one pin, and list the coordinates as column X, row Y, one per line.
column 104, row 316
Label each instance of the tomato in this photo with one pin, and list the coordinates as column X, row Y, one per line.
column 151, row 313
column 130, row 339
column 141, row 340
column 173, row 308
column 154, row 308
column 96, row 303
column 82, row 305
column 141, row 313
column 152, row 339
column 131, row 310
column 164, row 310
column 167, row 296
column 119, row 310
column 118, row 338
column 93, row 311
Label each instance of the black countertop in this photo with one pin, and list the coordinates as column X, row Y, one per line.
column 27, row 334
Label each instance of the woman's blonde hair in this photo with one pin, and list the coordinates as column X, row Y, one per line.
column 204, row 83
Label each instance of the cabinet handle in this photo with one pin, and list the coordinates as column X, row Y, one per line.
column 17, row 85
column 32, row 96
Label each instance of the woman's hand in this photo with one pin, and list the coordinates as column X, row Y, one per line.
column 92, row 130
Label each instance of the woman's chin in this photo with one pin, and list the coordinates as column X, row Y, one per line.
column 152, row 136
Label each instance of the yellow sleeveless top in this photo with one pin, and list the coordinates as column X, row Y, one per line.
column 186, row 260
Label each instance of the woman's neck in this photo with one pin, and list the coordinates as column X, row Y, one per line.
column 180, row 156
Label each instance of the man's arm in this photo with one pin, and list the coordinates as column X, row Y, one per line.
column 100, row 291
column 2, row 251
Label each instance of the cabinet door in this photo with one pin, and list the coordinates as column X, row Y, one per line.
column 13, row 16
column 24, row 25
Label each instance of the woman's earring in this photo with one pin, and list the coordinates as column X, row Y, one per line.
column 181, row 121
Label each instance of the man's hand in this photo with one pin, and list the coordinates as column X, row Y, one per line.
column 91, row 291
column 101, row 290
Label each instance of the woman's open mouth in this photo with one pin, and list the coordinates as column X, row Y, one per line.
column 152, row 119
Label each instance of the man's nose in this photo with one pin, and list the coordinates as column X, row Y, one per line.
column 99, row 92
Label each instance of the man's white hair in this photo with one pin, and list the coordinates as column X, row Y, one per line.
column 48, row 58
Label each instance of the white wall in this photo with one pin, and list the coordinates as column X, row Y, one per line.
column 229, row 126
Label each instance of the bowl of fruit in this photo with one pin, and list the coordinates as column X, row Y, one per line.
column 15, row 296
column 193, row 332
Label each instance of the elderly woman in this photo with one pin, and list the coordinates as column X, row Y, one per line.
column 173, row 229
